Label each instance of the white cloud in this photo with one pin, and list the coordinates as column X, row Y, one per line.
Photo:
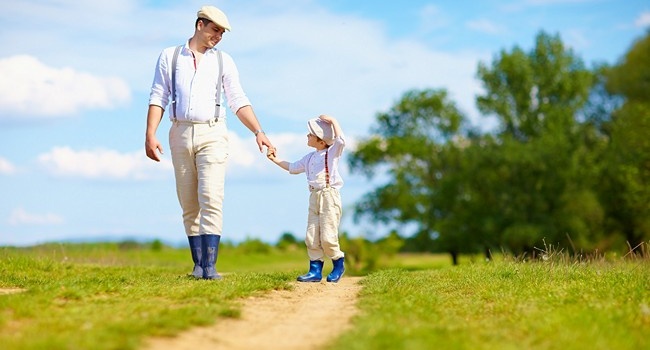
column 6, row 168
column 576, row 39
column 241, row 152
column 296, row 58
column 21, row 217
column 31, row 88
column 244, row 161
column 486, row 26
column 431, row 18
column 321, row 68
column 102, row 164
column 643, row 20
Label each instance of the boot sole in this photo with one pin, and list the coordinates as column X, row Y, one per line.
column 334, row 281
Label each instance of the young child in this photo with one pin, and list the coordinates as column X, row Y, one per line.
column 324, row 180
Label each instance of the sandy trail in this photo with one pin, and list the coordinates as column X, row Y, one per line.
column 307, row 317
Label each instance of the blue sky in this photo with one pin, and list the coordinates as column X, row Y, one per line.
column 76, row 77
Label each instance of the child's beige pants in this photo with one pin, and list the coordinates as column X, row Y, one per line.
column 323, row 224
column 199, row 153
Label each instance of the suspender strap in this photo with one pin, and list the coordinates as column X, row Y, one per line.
column 219, row 86
column 174, row 59
column 219, row 83
column 327, row 172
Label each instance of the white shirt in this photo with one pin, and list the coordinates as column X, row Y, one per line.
column 196, row 88
column 313, row 164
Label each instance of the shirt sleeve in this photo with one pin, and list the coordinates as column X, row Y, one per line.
column 336, row 149
column 160, row 88
column 234, row 92
column 299, row 166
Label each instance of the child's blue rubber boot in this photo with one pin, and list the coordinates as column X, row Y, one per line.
column 315, row 273
column 337, row 271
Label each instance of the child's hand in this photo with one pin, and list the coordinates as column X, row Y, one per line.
column 326, row 118
column 270, row 153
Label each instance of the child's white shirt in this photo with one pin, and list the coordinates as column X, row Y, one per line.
column 313, row 164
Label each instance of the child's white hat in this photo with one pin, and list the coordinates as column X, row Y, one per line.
column 322, row 129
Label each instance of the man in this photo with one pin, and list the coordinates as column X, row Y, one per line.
column 198, row 136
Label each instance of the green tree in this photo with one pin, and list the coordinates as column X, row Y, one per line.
column 418, row 144
column 535, row 93
column 626, row 185
column 546, row 171
column 566, row 165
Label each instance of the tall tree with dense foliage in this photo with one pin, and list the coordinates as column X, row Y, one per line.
column 626, row 185
column 542, row 155
column 568, row 164
column 418, row 144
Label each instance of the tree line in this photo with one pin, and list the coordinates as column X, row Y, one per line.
column 567, row 163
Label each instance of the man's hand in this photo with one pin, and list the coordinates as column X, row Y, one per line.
column 152, row 147
column 262, row 141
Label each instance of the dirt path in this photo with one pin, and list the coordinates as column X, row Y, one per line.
column 4, row 291
column 307, row 317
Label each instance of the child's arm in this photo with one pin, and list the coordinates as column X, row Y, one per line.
column 335, row 124
column 270, row 154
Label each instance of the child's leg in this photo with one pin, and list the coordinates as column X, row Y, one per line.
column 330, row 219
column 313, row 234
column 313, row 242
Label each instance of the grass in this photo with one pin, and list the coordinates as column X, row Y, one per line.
column 103, row 296
column 505, row 305
column 112, row 296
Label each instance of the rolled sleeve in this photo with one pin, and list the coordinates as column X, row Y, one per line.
column 235, row 94
column 160, row 92
column 296, row 168
column 299, row 166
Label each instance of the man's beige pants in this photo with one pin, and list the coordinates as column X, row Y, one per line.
column 323, row 224
column 199, row 154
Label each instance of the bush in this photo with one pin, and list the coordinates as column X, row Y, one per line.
column 251, row 246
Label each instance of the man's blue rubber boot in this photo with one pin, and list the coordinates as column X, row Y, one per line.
column 195, row 247
column 315, row 273
column 337, row 271
column 210, row 245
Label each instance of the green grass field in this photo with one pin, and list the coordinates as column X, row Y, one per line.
column 112, row 296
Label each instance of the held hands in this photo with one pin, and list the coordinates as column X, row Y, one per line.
column 270, row 153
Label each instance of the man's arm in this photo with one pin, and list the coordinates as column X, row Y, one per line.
column 151, row 144
column 247, row 116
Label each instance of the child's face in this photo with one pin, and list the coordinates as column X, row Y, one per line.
column 313, row 140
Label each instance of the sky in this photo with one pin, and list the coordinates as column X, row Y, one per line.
column 75, row 80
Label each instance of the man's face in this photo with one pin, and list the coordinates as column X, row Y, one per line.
column 211, row 33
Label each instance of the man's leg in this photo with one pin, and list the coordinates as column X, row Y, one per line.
column 180, row 141
column 212, row 153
